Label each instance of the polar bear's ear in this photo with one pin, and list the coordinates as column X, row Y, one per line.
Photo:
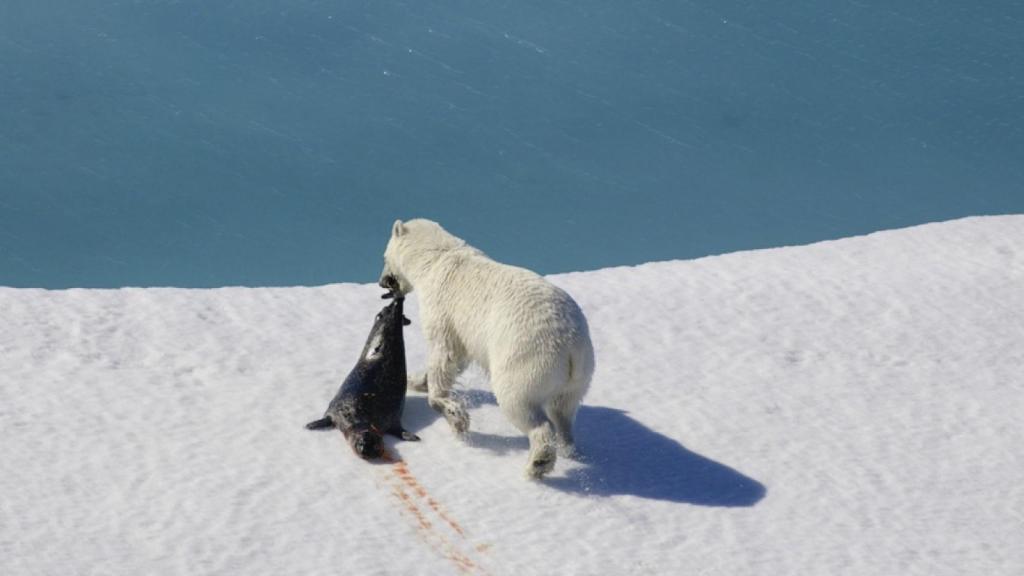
column 397, row 229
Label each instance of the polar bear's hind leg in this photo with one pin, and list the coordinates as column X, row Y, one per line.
column 561, row 410
column 542, row 451
column 531, row 420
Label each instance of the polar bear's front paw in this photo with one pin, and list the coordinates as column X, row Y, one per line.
column 457, row 418
column 454, row 412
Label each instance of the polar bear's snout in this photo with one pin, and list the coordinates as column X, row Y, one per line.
column 392, row 280
column 390, row 283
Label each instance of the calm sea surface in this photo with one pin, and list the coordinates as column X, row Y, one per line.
column 273, row 142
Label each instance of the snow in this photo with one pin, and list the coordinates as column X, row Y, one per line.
column 847, row 407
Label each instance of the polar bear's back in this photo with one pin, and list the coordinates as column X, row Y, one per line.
column 499, row 314
column 505, row 313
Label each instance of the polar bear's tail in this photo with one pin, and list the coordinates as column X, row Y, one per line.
column 581, row 364
column 562, row 408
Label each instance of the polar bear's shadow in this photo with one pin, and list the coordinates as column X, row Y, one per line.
column 621, row 456
column 419, row 415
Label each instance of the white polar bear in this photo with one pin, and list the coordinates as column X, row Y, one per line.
column 529, row 335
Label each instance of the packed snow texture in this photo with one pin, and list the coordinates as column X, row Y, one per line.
column 848, row 407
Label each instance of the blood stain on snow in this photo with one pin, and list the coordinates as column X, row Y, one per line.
column 402, row 471
column 447, row 536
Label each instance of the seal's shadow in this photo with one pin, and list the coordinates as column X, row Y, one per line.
column 418, row 414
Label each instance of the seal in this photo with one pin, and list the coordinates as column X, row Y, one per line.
column 370, row 401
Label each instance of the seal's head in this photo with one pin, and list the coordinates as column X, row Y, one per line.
column 367, row 443
column 385, row 339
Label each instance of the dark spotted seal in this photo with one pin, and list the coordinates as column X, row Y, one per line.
column 370, row 401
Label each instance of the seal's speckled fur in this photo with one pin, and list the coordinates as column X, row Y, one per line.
column 370, row 401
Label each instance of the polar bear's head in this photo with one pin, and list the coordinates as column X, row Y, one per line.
column 414, row 248
column 393, row 261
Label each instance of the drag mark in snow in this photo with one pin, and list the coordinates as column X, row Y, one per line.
column 401, row 470
column 434, row 524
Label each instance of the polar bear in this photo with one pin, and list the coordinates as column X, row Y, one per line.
column 527, row 334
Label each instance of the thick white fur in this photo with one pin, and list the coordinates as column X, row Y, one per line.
column 529, row 335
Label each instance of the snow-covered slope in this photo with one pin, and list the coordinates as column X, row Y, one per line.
column 849, row 407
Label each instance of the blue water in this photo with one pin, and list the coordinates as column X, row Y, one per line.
column 272, row 142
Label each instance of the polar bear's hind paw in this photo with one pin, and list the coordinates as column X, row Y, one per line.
column 541, row 464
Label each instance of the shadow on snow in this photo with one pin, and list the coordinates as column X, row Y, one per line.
column 621, row 456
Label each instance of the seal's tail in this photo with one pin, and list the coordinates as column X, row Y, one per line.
column 320, row 424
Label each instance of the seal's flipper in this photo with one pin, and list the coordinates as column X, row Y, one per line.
column 404, row 434
column 320, row 424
